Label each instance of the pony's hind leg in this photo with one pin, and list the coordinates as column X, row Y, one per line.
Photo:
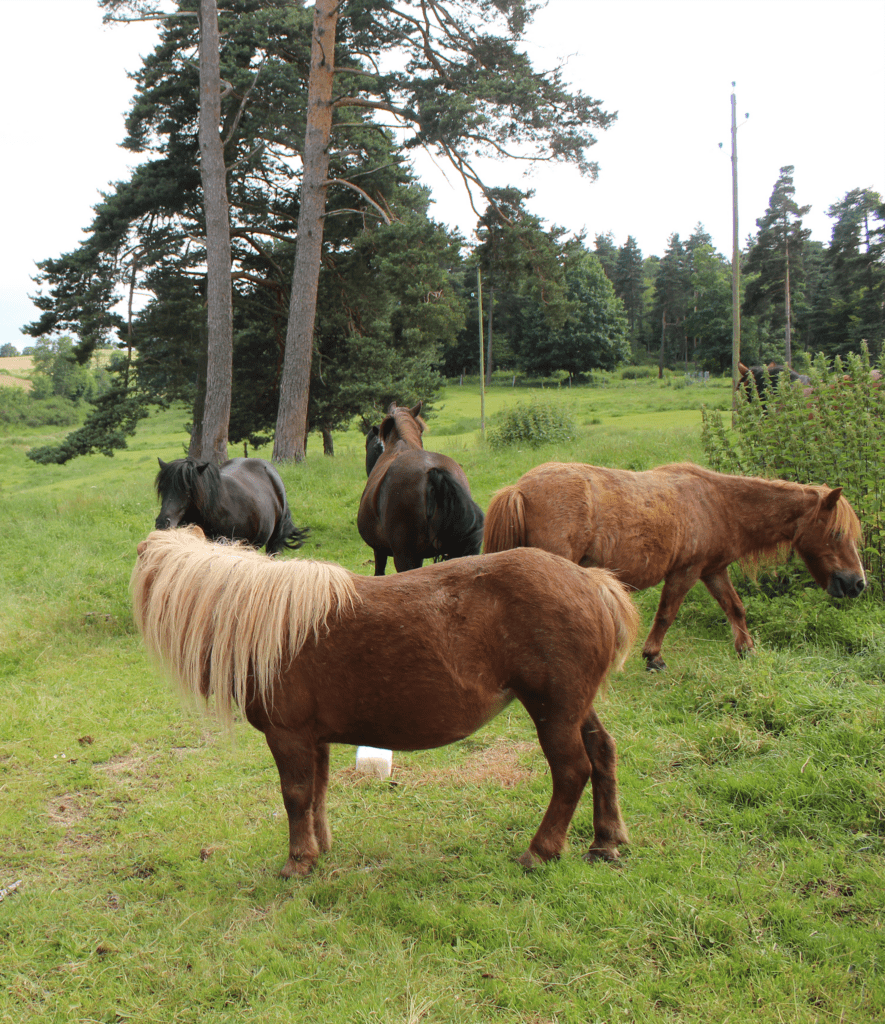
column 380, row 561
column 321, row 828
column 296, row 759
column 609, row 830
column 570, row 769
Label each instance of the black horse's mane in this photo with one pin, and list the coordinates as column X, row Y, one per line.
column 182, row 478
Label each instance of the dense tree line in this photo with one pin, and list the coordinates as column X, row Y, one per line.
column 799, row 297
column 397, row 299
column 386, row 296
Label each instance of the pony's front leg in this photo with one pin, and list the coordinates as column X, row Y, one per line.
column 720, row 586
column 676, row 586
column 569, row 771
column 296, row 759
column 609, row 830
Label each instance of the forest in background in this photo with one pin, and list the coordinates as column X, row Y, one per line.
column 401, row 300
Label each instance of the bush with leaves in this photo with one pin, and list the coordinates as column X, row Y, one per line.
column 532, row 424
column 831, row 431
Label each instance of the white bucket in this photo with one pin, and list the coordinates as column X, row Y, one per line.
column 374, row 761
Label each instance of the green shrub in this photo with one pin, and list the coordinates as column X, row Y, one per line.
column 832, row 432
column 532, row 424
column 19, row 409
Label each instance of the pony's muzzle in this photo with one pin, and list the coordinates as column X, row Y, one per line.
column 846, row 584
column 163, row 523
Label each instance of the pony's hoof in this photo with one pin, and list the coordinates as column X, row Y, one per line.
column 609, row 854
column 297, row 868
column 656, row 664
column 530, row 861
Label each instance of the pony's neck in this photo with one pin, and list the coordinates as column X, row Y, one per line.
column 407, row 431
column 769, row 511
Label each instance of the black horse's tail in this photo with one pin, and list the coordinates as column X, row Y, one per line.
column 456, row 521
column 287, row 534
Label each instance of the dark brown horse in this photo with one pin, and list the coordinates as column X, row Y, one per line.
column 766, row 378
column 679, row 524
column 314, row 655
column 416, row 504
column 244, row 499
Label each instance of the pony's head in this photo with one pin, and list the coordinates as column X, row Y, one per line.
column 827, row 540
column 186, row 489
column 402, row 424
column 374, row 448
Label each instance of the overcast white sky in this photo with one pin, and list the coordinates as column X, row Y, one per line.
column 810, row 73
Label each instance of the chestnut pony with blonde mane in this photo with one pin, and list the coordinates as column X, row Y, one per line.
column 416, row 504
column 680, row 524
column 313, row 654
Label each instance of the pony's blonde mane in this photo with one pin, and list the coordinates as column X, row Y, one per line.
column 219, row 616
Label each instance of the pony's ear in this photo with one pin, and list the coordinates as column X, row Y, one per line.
column 202, row 467
column 744, row 369
column 772, row 365
column 163, row 464
column 416, row 411
column 374, row 432
column 197, row 532
column 831, row 500
column 391, row 409
column 142, row 547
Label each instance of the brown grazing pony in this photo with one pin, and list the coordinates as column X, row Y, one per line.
column 313, row 654
column 679, row 524
column 416, row 504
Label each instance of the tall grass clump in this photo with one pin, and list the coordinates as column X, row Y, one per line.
column 832, row 431
column 532, row 424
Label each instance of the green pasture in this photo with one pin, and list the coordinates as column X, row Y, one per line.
column 147, row 842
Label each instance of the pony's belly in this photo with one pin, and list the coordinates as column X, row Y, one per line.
column 420, row 724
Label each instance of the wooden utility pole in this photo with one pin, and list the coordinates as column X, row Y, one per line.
column 482, row 374
column 735, row 263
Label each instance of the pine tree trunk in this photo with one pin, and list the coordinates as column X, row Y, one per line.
column 289, row 440
column 219, row 356
column 195, row 448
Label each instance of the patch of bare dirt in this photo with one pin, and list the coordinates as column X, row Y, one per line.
column 503, row 763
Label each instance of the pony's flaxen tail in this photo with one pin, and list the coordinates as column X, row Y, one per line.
column 505, row 521
column 455, row 520
column 616, row 598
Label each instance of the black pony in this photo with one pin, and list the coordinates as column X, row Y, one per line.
column 244, row 499
column 416, row 504
column 767, row 377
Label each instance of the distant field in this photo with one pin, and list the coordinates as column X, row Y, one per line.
column 14, row 371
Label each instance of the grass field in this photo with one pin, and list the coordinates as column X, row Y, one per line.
column 146, row 841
